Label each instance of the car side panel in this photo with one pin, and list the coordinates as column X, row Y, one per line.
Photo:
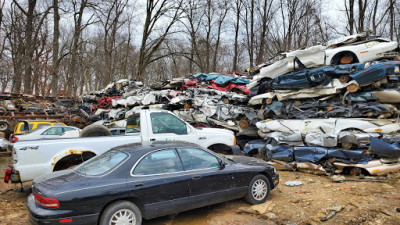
column 160, row 194
column 210, row 186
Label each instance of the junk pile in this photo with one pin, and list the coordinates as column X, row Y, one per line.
column 15, row 107
column 326, row 118
column 319, row 108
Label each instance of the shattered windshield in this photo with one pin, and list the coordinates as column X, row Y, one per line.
column 102, row 164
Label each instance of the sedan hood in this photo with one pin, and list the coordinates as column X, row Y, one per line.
column 246, row 160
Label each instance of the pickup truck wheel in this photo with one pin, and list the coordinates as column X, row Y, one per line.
column 258, row 190
column 95, row 130
column 121, row 212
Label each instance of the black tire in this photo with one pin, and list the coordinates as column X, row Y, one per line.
column 121, row 208
column 258, row 190
column 95, row 130
column 4, row 126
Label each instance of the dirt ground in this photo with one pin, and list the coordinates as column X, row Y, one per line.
column 357, row 202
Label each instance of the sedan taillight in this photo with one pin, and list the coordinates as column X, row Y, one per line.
column 46, row 202
column 14, row 139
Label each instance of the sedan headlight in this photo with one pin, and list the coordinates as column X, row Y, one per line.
column 370, row 44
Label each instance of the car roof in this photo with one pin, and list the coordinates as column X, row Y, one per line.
column 155, row 145
column 38, row 130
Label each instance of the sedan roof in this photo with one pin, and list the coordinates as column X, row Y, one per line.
column 150, row 146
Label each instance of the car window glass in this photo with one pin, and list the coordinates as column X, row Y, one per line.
column 167, row 123
column 164, row 161
column 133, row 123
column 68, row 128
column 40, row 125
column 197, row 159
column 102, row 164
column 22, row 128
column 53, row 131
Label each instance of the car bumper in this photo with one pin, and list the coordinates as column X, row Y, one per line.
column 39, row 216
column 275, row 181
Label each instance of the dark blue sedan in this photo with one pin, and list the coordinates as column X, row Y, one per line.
column 135, row 181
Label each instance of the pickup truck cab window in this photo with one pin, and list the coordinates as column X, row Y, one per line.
column 133, row 124
column 159, row 162
column 197, row 159
column 167, row 123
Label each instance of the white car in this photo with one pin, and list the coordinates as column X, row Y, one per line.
column 48, row 132
column 359, row 48
column 350, row 49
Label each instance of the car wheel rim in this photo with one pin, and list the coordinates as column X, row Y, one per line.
column 123, row 217
column 259, row 189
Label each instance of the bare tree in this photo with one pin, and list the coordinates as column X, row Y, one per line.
column 223, row 7
column 350, row 15
column 31, row 37
column 362, row 7
column 110, row 19
column 238, row 4
column 248, row 21
column 78, row 10
column 266, row 14
column 156, row 10
column 192, row 18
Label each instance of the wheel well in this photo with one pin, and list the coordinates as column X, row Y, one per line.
column 355, row 170
column 133, row 200
column 253, row 152
column 336, row 58
column 269, row 179
column 72, row 160
column 220, row 148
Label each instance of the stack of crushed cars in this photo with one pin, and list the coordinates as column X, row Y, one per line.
column 329, row 109
column 16, row 107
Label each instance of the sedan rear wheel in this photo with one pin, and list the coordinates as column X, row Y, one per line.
column 258, row 190
column 121, row 213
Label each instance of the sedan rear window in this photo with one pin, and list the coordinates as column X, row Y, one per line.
column 102, row 163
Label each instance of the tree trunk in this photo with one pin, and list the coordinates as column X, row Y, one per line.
column 392, row 19
column 29, row 47
column 236, row 44
column 77, row 32
column 351, row 17
column 56, row 45
column 251, row 47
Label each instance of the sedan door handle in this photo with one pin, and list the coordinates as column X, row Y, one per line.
column 152, row 139
column 196, row 177
column 138, row 185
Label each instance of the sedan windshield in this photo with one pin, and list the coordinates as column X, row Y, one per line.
column 102, row 164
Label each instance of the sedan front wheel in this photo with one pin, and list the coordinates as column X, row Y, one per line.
column 258, row 191
column 121, row 213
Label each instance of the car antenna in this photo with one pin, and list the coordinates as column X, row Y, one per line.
column 84, row 168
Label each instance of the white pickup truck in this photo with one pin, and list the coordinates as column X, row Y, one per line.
column 35, row 158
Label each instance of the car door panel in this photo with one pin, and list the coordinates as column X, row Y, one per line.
column 160, row 182
column 209, row 183
column 161, row 194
